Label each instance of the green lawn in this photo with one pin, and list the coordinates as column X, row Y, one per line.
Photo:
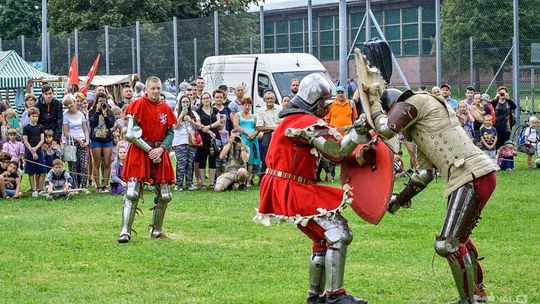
column 66, row 251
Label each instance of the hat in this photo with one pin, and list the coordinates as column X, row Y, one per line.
column 446, row 85
column 223, row 87
column 509, row 142
column 340, row 89
column 485, row 97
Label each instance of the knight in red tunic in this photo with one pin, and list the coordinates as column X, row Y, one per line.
column 289, row 192
column 150, row 132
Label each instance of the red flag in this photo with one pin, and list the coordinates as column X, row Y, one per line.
column 73, row 73
column 91, row 74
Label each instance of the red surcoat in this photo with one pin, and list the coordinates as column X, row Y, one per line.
column 154, row 120
column 288, row 200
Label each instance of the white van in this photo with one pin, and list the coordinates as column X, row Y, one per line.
column 260, row 72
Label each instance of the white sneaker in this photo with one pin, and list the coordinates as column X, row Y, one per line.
column 35, row 194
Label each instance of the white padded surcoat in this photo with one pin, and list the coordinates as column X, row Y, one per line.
column 442, row 143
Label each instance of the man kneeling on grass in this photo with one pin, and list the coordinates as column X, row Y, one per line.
column 236, row 155
column 58, row 181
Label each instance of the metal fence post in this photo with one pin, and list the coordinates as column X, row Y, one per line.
column 343, row 42
column 261, row 27
column 43, row 35
column 107, row 50
column 48, row 52
column 438, row 55
column 194, row 57
column 251, row 45
column 133, row 68
column 471, row 60
column 515, row 61
column 138, row 42
column 310, row 27
column 175, row 50
column 76, row 46
column 23, row 51
column 0, row 44
column 216, row 33
column 69, row 51
column 368, row 20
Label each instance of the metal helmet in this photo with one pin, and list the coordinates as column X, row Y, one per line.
column 388, row 97
column 313, row 89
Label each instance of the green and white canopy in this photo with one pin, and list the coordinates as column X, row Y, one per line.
column 15, row 72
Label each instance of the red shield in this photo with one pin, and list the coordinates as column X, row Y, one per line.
column 372, row 183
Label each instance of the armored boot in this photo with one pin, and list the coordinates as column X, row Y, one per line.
column 162, row 199
column 344, row 299
column 463, row 273
column 131, row 199
column 339, row 236
column 316, row 279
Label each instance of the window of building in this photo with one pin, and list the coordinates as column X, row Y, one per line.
column 297, row 35
column 282, row 36
column 428, row 29
column 392, row 30
column 269, row 37
column 326, row 38
column 409, row 18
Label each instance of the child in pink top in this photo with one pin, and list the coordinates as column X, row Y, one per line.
column 13, row 147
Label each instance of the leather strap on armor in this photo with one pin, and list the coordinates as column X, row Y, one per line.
column 290, row 176
column 400, row 115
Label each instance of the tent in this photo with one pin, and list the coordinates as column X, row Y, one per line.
column 14, row 75
column 15, row 72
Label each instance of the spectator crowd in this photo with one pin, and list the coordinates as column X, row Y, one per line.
column 73, row 145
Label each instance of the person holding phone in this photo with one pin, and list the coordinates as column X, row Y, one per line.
column 101, row 137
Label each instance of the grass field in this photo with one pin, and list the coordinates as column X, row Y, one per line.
column 66, row 251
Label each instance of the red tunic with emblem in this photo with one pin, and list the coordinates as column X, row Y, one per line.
column 154, row 120
column 284, row 199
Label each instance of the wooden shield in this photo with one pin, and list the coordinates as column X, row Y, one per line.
column 371, row 188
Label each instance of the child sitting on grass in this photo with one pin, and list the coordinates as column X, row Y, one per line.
column 505, row 156
column 118, row 186
column 12, row 181
column 58, row 181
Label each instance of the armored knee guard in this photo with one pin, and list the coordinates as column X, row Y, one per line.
column 462, row 214
column 339, row 236
column 131, row 199
column 163, row 197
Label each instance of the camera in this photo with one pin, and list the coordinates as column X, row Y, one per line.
column 501, row 94
column 237, row 140
column 104, row 105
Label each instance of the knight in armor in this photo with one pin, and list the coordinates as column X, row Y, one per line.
column 443, row 145
column 150, row 132
column 289, row 192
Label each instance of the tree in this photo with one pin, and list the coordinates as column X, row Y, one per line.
column 490, row 23
column 19, row 17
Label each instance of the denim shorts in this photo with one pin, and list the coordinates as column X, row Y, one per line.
column 101, row 144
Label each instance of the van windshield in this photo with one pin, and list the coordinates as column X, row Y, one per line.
column 283, row 81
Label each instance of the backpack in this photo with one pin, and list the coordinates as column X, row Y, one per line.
column 522, row 136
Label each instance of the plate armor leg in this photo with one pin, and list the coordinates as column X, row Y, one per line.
column 131, row 199
column 339, row 236
column 162, row 199
column 462, row 214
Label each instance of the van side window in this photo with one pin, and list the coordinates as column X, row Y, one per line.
column 264, row 84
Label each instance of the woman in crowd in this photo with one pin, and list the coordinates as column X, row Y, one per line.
column 184, row 147
column 101, row 121
column 75, row 127
column 504, row 108
column 29, row 101
column 245, row 122
column 209, row 124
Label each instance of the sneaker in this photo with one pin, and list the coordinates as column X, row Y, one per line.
column 242, row 187
column 178, row 188
column 35, row 193
column 191, row 188
column 70, row 195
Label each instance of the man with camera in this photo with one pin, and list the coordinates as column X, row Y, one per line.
column 236, row 154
